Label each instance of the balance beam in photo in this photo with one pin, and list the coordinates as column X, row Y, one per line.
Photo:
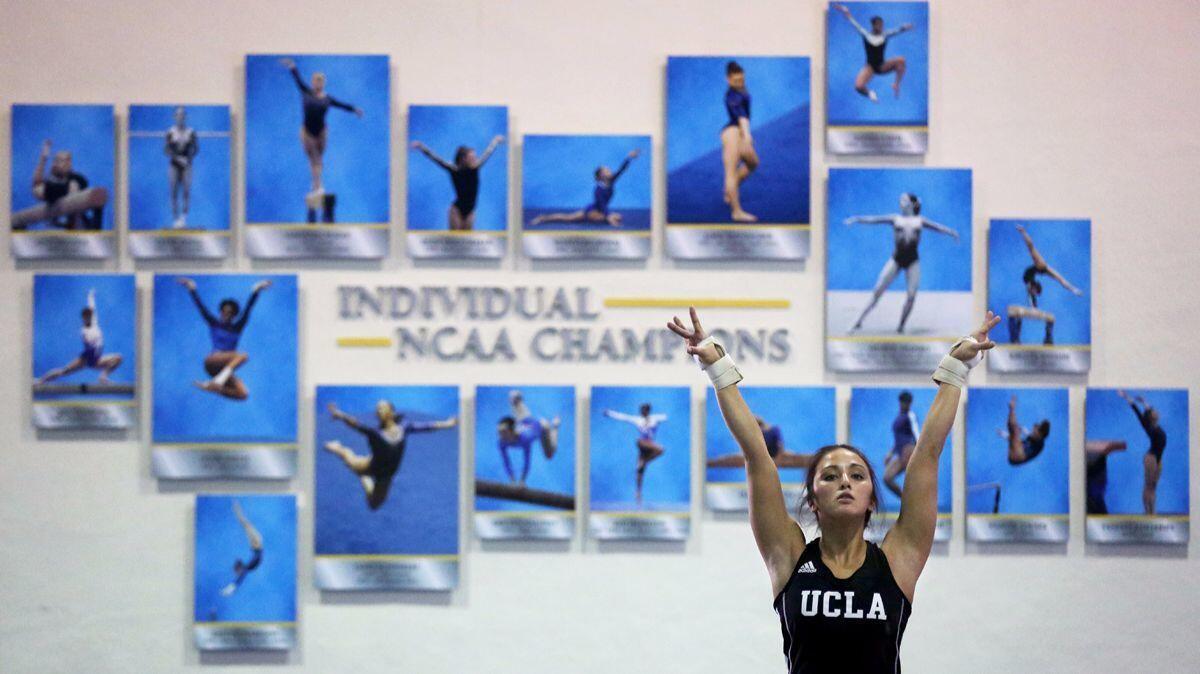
column 524, row 494
column 1017, row 311
column 94, row 387
column 72, row 204
column 739, row 461
column 1104, row 446
column 325, row 202
column 984, row 487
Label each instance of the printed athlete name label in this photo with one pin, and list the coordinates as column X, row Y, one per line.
column 834, row 604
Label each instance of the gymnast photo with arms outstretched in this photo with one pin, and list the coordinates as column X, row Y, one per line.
column 225, row 330
column 875, row 43
column 93, row 355
column 843, row 602
column 387, row 442
column 314, row 134
column 602, row 194
column 648, row 448
column 464, row 175
column 906, row 229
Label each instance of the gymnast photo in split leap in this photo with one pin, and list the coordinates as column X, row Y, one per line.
column 93, row 355
column 875, row 43
column 842, row 601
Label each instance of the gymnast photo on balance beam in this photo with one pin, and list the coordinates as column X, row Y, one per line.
column 773, row 437
column 68, row 201
column 597, row 211
column 648, row 448
column 387, row 443
column 225, row 330
column 314, row 134
column 464, row 176
column 181, row 147
column 906, row 230
column 520, row 430
column 842, row 601
column 1033, row 290
column 875, row 43
column 254, row 538
column 93, row 355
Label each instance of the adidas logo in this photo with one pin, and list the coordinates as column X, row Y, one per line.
column 807, row 568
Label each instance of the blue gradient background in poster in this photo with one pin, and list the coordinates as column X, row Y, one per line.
column 778, row 192
column 58, row 300
column 420, row 515
column 558, row 175
column 614, row 451
column 544, row 402
column 872, row 411
column 1067, row 247
column 845, row 57
column 356, row 166
column 184, row 413
column 268, row 594
column 856, row 253
column 1039, row 487
column 85, row 130
column 806, row 417
column 443, row 128
column 149, row 185
column 1108, row 417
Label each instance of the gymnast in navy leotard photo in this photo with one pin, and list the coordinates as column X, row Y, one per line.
column 738, row 155
column 225, row 330
column 313, row 132
column 241, row 569
column 464, row 176
column 875, row 43
column 597, row 211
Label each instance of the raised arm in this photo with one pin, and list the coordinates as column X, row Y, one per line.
column 291, row 66
column 908, row 543
column 850, row 17
column 869, row 220
column 939, row 228
column 903, row 28
column 779, row 538
column 433, row 157
column 191, row 288
column 625, row 164
column 254, row 293
column 39, row 175
column 491, row 148
column 91, row 304
column 341, row 416
column 427, row 426
column 619, row 416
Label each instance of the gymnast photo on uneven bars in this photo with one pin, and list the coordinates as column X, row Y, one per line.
column 843, row 602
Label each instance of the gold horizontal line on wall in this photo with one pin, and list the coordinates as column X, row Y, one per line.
column 364, row 342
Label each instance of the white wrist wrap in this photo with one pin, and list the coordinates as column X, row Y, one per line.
column 954, row 371
column 724, row 372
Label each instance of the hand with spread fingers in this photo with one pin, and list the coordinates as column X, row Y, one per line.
column 708, row 353
column 966, row 350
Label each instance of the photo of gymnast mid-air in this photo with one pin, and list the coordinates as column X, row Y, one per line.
column 1024, row 444
column 92, row 357
column 68, row 200
column 464, row 177
column 1033, row 290
column 875, row 42
column 225, row 329
column 906, row 232
column 386, row 440
column 596, row 212
column 242, row 568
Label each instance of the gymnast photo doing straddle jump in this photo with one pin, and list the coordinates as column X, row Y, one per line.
column 906, row 229
column 225, row 330
column 68, row 201
column 314, row 134
column 875, row 43
column 387, row 442
column 519, row 431
column 92, row 356
column 1033, row 290
column 182, row 144
column 242, row 569
column 597, row 211
column 464, row 176
column 843, row 602
column 648, row 448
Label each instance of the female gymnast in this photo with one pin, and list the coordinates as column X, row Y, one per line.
column 597, row 211
column 875, row 42
column 1152, row 461
column 225, row 331
column 738, row 155
column 843, row 602
column 181, row 148
column 242, row 569
column 60, row 181
column 906, row 228
column 905, row 431
column 313, row 133
column 1034, row 289
column 648, row 449
column 1023, row 445
column 387, row 443
column 773, row 437
column 93, row 355
column 464, row 175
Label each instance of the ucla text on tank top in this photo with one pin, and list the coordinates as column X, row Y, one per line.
column 842, row 625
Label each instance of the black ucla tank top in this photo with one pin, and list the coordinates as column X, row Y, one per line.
column 842, row 625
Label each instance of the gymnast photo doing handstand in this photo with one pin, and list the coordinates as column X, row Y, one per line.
column 387, row 442
column 1033, row 290
column 843, row 602
column 225, row 330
